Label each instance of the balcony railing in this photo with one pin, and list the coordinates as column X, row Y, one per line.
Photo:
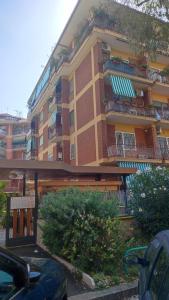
column 156, row 76
column 139, row 152
column 54, row 132
column 3, row 132
column 128, row 109
column 123, row 67
column 19, row 146
column 137, row 111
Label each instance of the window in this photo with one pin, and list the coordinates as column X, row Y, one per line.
column 71, row 88
column 125, row 141
column 41, row 117
column 41, row 140
column 52, row 120
column 71, row 118
column 72, row 151
column 50, row 156
column 163, row 144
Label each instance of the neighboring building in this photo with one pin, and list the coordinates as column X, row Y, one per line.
column 13, row 131
column 96, row 103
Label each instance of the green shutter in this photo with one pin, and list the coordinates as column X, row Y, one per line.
column 122, row 86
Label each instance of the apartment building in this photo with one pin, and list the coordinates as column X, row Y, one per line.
column 96, row 102
column 13, row 131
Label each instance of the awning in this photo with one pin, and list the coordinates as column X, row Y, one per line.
column 122, row 86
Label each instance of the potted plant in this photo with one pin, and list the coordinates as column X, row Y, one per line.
column 165, row 72
column 116, row 59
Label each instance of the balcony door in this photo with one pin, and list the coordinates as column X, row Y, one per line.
column 125, row 144
column 164, row 146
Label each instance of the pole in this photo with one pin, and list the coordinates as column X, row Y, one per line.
column 36, row 205
column 125, row 193
column 24, row 185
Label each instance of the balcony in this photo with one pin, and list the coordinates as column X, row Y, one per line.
column 157, row 76
column 138, row 152
column 54, row 132
column 127, row 68
column 19, row 146
column 131, row 110
column 153, row 112
column 3, row 133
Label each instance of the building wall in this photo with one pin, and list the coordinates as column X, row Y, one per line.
column 84, row 91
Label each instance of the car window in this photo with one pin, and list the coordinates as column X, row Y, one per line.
column 158, row 274
column 7, row 286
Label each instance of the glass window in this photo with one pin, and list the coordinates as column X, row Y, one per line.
column 52, row 119
column 71, row 88
column 50, row 156
column 41, row 140
column 41, row 117
column 7, row 286
column 71, row 118
column 72, row 151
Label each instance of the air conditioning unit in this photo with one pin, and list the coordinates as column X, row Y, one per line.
column 106, row 47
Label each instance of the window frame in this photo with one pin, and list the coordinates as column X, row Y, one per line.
column 124, row 148
column 72, row 151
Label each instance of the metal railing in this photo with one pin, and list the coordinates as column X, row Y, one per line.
column 137, row 111
column 18, row 146
column 123, row 67
column 156, row 76
column 139, row 152
column 132, row 110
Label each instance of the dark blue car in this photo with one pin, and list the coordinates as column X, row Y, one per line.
column 154, row 268
column 30, row 279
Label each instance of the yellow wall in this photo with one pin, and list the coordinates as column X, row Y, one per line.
column 165, row 132
column 121, row 54
column 157, row 65
column 160, row 98
column 125, row 128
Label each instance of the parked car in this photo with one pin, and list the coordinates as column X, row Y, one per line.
column 154, row 268
column 22, row 280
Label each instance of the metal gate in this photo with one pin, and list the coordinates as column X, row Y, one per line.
column 21, row 223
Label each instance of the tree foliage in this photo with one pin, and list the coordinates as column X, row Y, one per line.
column 150, row 200
column 80, row 226
column 146, row 25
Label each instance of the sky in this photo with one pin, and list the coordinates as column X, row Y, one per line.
column 29, row 30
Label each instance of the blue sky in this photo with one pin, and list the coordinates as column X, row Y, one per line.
column 29, row 29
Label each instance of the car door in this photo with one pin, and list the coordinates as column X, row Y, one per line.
column 13, row 275
column 155, row 288
column 150, row 257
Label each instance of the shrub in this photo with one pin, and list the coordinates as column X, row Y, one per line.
column 80, row 226
column 150, row 200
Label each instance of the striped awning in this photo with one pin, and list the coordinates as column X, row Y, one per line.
column 122, row 86
column 139, row 166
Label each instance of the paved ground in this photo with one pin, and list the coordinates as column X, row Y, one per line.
column 74, row 287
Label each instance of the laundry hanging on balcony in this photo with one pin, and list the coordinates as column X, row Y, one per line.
column 122, row 86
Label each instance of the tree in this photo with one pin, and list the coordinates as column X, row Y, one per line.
column 146, row 25
column 150, row 201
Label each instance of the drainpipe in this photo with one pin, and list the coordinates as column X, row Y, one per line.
column 125, row 192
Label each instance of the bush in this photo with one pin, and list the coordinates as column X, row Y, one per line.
column 149, row 200
column 81, row 227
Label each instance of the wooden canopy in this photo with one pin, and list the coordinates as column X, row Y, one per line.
column 53, row 169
